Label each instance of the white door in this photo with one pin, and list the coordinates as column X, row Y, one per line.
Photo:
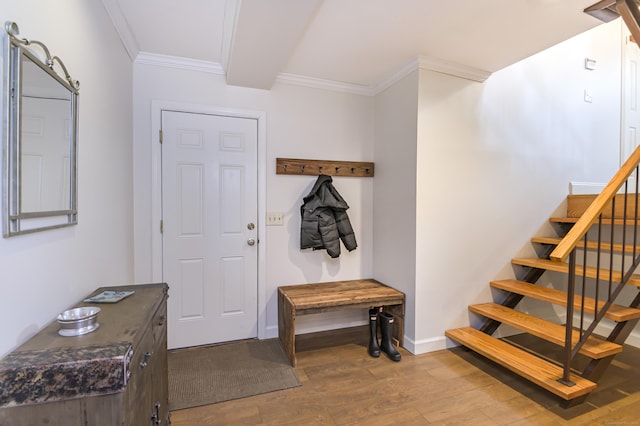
column 630, row 133
column 209, row 241
column 44, row 154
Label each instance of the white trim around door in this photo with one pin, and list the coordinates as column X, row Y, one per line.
column 157, row 107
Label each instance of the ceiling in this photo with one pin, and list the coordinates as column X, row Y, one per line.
column 359, row 43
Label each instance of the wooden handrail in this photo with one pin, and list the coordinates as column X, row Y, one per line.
column 575, row 234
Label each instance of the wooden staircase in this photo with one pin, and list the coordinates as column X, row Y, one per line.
column 593, row 265
column 543, row 372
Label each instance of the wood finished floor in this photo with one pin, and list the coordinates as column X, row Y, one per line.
column 342, row 385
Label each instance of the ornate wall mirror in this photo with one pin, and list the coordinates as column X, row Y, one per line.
column 39, row 182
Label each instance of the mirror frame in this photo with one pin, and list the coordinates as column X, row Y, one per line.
column 15, row 220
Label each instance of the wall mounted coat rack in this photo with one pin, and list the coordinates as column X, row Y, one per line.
column 295, row 166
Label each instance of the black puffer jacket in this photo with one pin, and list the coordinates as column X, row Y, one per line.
column 324, row 219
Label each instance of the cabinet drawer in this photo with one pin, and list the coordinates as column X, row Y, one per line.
column 139, row 367
column 145, row 352
column 138, row 392
column 145, row 390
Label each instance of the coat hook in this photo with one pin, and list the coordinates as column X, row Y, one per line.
column 337, row 170
column 302, row 169
column 367, row 170
column 353, row 170
column 284, row 167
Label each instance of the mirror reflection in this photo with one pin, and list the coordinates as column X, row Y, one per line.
column 45, row 130
column 40, row 138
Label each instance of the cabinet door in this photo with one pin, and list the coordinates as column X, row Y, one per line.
column 102, row 410
column 160, row 380
column 159, row 370
column 139, row 388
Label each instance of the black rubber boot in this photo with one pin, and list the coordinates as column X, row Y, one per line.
column 373, row 349
column 386, row 344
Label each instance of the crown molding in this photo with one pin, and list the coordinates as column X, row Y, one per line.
column 433, row 64
column 217, row 68
column 396, row 77
column 422, row 62
column 179, row 63
column 426, row 63
column 318, row 83
column 122, row 28
column 452, row 68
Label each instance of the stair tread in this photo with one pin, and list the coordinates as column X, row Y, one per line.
column 616, row 312
column 594, row 347
column 563, row 267
column 605, row 221
column 593, row 245
column 546, row 240
column 529, row 366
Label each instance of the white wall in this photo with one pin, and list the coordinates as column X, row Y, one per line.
column 443, row 147
column 301, row 123
column 495, row 161
column 46, row 272
column 517, row 140
column 394, row 201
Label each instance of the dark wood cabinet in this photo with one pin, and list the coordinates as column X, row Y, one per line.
column 116, row 375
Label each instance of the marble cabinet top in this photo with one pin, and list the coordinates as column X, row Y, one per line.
column 50, row 367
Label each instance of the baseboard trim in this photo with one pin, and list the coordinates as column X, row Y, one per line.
column 435, row 343
column 585, row 188
column 425, row 345
column 271, row 332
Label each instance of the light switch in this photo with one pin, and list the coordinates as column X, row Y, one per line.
column 590, row 64
column 275, row 218
column 588, row 96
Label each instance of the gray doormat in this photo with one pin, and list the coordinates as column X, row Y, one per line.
column 206, row 375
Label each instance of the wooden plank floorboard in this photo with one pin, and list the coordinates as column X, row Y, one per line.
column 452, row 386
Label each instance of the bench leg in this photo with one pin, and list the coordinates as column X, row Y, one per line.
column 398, row 325
column 286, row 327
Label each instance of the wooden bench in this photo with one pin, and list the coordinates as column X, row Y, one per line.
column 305, row 299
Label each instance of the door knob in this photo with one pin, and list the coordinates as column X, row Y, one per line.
column 251, row 241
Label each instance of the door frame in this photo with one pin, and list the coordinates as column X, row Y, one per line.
column 157, row 106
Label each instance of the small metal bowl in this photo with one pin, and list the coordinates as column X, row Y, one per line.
column 78, row 321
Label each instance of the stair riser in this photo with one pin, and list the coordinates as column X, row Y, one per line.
column 577, row 204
